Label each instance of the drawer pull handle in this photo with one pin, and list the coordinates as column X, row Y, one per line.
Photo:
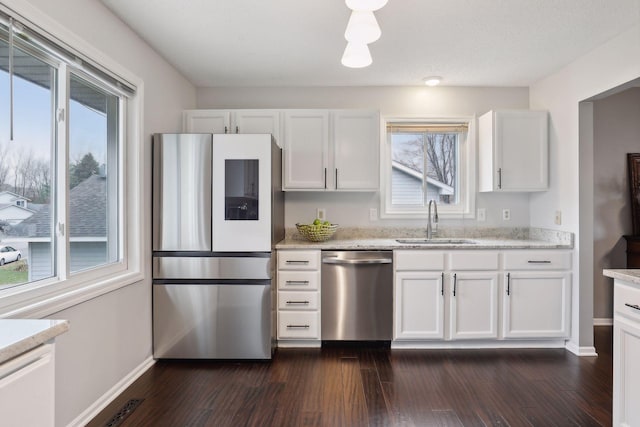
column 508, row 284
column 297, row 326
column 634, row 306
column 293, row 261
column 298, row 302
column 539, row 262
column 297, row 282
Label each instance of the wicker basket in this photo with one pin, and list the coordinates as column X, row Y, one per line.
column 317, row 233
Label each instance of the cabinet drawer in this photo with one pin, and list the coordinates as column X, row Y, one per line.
column 297, row 300
column 537, row 260
column 298, row 324
column 624, row 294
column 474, row 260
column 298, row 260
column 418, row 260
column 298, row 280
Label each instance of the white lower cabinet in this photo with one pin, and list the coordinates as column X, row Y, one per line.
column 456, row 295
column 536, row 305
column 626, row 353
column 298, row 297
column 419, row 305
column 626, row 372
column 473, row 306
column 27, row 388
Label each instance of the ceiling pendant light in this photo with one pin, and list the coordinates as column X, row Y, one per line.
column 362, row 27
column 369, row 5
column 356, row 55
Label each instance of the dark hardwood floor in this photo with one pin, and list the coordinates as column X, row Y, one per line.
column 351, row 386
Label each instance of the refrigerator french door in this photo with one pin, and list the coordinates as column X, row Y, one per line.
column 216, row 217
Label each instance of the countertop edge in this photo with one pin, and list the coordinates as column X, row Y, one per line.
column 32, row 339
column 627, row 275
column 391, row 244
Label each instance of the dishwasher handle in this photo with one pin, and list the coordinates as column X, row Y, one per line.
column 336, row 260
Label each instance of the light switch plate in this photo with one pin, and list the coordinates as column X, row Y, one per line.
column 321, row 214
column 558, row 218
column 373, row 214
column 482, row 214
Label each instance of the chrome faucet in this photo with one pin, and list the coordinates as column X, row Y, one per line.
column 435, row 219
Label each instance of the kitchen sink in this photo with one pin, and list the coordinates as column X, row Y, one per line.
column 435, row 241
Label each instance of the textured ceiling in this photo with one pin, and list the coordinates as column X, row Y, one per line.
column 300, row 42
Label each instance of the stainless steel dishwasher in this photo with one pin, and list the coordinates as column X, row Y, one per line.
column 357, row 295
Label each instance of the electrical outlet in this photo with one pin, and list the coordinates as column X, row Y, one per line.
column 506, row 214
column 373, row 214
column 482, row 214
column 321, row 214
column 558, row 218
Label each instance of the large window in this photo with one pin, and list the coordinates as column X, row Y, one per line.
column 424, row 161
column 62, row 135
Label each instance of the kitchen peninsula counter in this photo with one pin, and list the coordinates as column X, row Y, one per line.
column 385, row 239
column 17, row 336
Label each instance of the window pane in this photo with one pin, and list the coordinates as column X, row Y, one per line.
column 407, row 153
column 419, row 157
column 93, row 171
column 26, row 168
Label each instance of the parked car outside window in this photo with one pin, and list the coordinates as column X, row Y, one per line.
column 9, row 254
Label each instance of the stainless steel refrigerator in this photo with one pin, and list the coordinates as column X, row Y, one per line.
column 217, row 213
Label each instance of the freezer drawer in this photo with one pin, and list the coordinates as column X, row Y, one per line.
column 197, row 321
column 212, row 267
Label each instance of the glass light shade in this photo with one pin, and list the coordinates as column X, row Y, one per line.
column 370, row 5
column 356, row 55
column 362, row 27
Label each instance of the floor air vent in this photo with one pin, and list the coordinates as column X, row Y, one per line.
column 124, row 412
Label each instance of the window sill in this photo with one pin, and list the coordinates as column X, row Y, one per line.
column 46, row 300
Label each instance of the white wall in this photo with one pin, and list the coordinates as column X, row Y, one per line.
column 616, row 124
column 110, row 336
column 352, row 209
column 606, row 67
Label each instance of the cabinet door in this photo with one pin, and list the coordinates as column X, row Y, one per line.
column 419, row 304
column 513, row 151
column 626, row 372
column 257, row 121
column 305, row 153
column 206, row 121
column 522, row 150
column 536, row 305
column 356, row 148
column 474, row 305
column 27, row 389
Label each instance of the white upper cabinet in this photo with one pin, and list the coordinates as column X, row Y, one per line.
column 356, row 149
column 233, row 121
column 513, row 151
column 306, row 150
column 206, row 121
column 331, row 150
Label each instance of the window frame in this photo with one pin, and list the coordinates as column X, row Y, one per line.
column 466, row 167
column 45, row 297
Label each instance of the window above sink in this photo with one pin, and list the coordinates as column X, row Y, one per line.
column 428, row 159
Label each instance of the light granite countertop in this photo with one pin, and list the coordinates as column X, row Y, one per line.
column 628, row 275
column 385, row 239
column 18, row 336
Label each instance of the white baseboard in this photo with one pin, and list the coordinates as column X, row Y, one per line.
column 581, row 351
column 111, row 394
column 602, row 321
